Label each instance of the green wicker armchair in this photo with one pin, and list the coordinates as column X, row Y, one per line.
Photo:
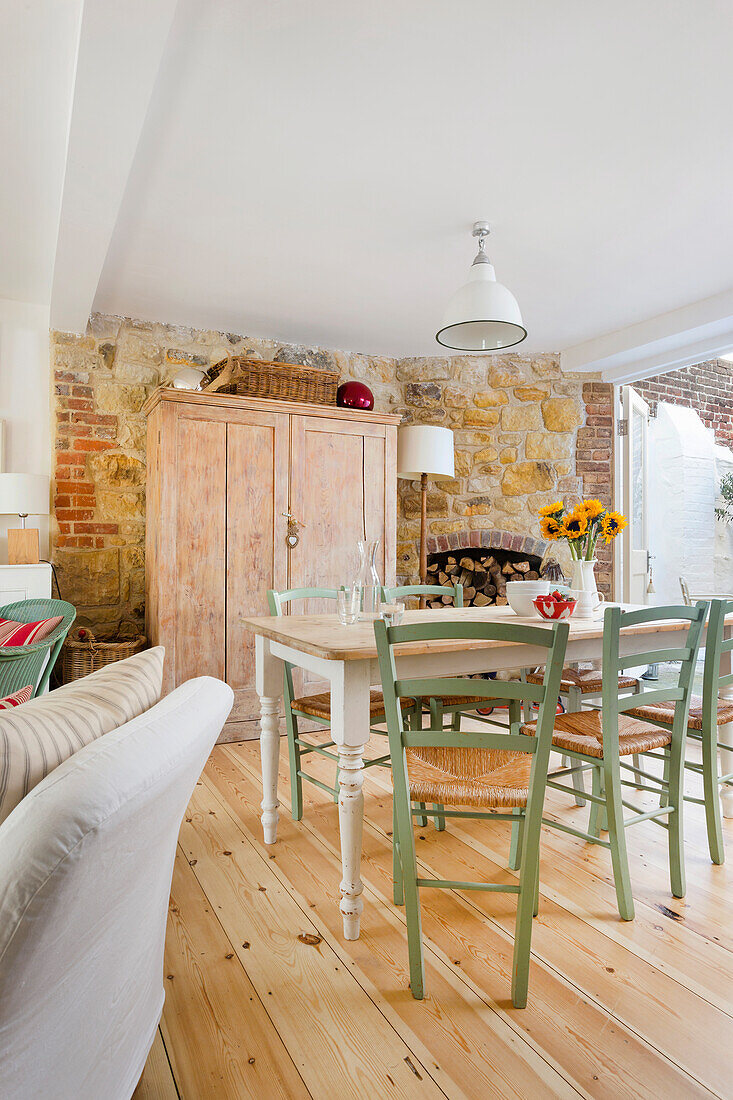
column 24, row 664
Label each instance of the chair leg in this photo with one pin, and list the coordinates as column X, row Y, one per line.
column 575, row 700
column 711, row 795
column 437, row 819
column 617, row 838
column 675, row 833
column 398, row 895
column 296, row 783
column 526, row 909
column 515, row 849
column 411, row 896
column 421, row 820
column 594, row 819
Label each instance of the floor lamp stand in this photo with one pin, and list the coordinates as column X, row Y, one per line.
column 423, row 535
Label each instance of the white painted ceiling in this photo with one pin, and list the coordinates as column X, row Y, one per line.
column 310, row 170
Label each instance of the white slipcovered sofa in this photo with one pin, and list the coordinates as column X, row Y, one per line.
column 86, row 859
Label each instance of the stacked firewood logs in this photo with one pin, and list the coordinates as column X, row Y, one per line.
column 483, row 578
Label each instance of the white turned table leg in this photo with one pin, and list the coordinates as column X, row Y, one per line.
column 269, row 676
column 351, row 822
column 270, row 757
column 350, row 731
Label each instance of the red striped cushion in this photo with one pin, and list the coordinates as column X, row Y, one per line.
column 23, row 695
column 12, row 633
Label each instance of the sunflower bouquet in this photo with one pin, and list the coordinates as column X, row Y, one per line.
column 582, row 527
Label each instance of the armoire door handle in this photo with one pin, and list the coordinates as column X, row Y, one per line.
column 292, row 537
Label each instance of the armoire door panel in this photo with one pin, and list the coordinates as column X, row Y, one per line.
column 200, row 593
column 332, row 461
column 257, row 495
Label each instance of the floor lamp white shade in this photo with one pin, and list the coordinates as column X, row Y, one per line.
column 425, row 449
column 24, row 494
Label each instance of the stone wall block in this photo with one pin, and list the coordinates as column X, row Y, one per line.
column 423, row 394
column 116, row 471
column 117, row 398
column 481, row 418
column 121, row 505
column 437, row 504
column 521, row 418
column 89, row 577
column 561, row 414
column 489, row 399
column 546, row 445
column 527, row 477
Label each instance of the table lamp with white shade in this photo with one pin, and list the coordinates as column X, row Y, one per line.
column 424, row 451
column 24, row 495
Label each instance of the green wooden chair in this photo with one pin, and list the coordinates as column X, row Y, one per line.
column 445, row 704
column 577, row 688
column 33, row 664
column 706, row 714
column 316, row 708
column 600, row 739
column 482, row 771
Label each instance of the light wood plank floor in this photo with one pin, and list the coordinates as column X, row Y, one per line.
column 266, row 999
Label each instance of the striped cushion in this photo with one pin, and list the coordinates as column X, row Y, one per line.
column 12, row 633
column 23, row 695
column 40, row 735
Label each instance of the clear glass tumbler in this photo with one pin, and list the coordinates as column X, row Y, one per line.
column 347, row 604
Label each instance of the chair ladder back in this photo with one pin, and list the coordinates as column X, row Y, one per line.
column 715, row 646
column 400, row 591
column 615, row 620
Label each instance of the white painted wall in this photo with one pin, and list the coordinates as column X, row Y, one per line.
column 25, row 401
column 685, row 467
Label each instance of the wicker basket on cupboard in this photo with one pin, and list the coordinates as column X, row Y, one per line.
column 81, row 653
column 277, row 381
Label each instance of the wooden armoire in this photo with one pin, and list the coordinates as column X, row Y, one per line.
column 223, row 473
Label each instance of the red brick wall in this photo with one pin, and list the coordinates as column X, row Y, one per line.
column 594, row 464
column 705, row 387
column 80, row 431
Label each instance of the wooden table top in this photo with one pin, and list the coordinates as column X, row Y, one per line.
column 324, row 636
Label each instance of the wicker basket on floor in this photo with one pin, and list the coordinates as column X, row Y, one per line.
column 277, row 381
column 81, row 653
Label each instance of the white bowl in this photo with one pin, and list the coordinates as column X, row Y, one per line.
column 521, row 595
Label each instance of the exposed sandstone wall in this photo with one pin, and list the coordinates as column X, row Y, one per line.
column 101, row 381
column 517, row 423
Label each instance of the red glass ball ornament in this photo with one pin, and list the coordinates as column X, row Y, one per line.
column 354, row 395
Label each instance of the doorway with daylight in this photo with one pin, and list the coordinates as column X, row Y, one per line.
column 674, row 448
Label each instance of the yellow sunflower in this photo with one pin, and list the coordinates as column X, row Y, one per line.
column 613, row 524
column 592, row 508
column 550, row 528
column 575, row 525
column 552, row 509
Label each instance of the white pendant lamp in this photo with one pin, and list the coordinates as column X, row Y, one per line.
column 483, row 315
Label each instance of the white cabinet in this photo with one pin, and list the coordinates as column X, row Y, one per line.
column 24, row 582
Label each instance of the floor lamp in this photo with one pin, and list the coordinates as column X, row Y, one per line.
column 424, row 451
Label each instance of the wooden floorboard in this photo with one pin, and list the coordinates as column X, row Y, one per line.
column 616, row 1009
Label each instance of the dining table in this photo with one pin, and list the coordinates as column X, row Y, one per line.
column 346, row 657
